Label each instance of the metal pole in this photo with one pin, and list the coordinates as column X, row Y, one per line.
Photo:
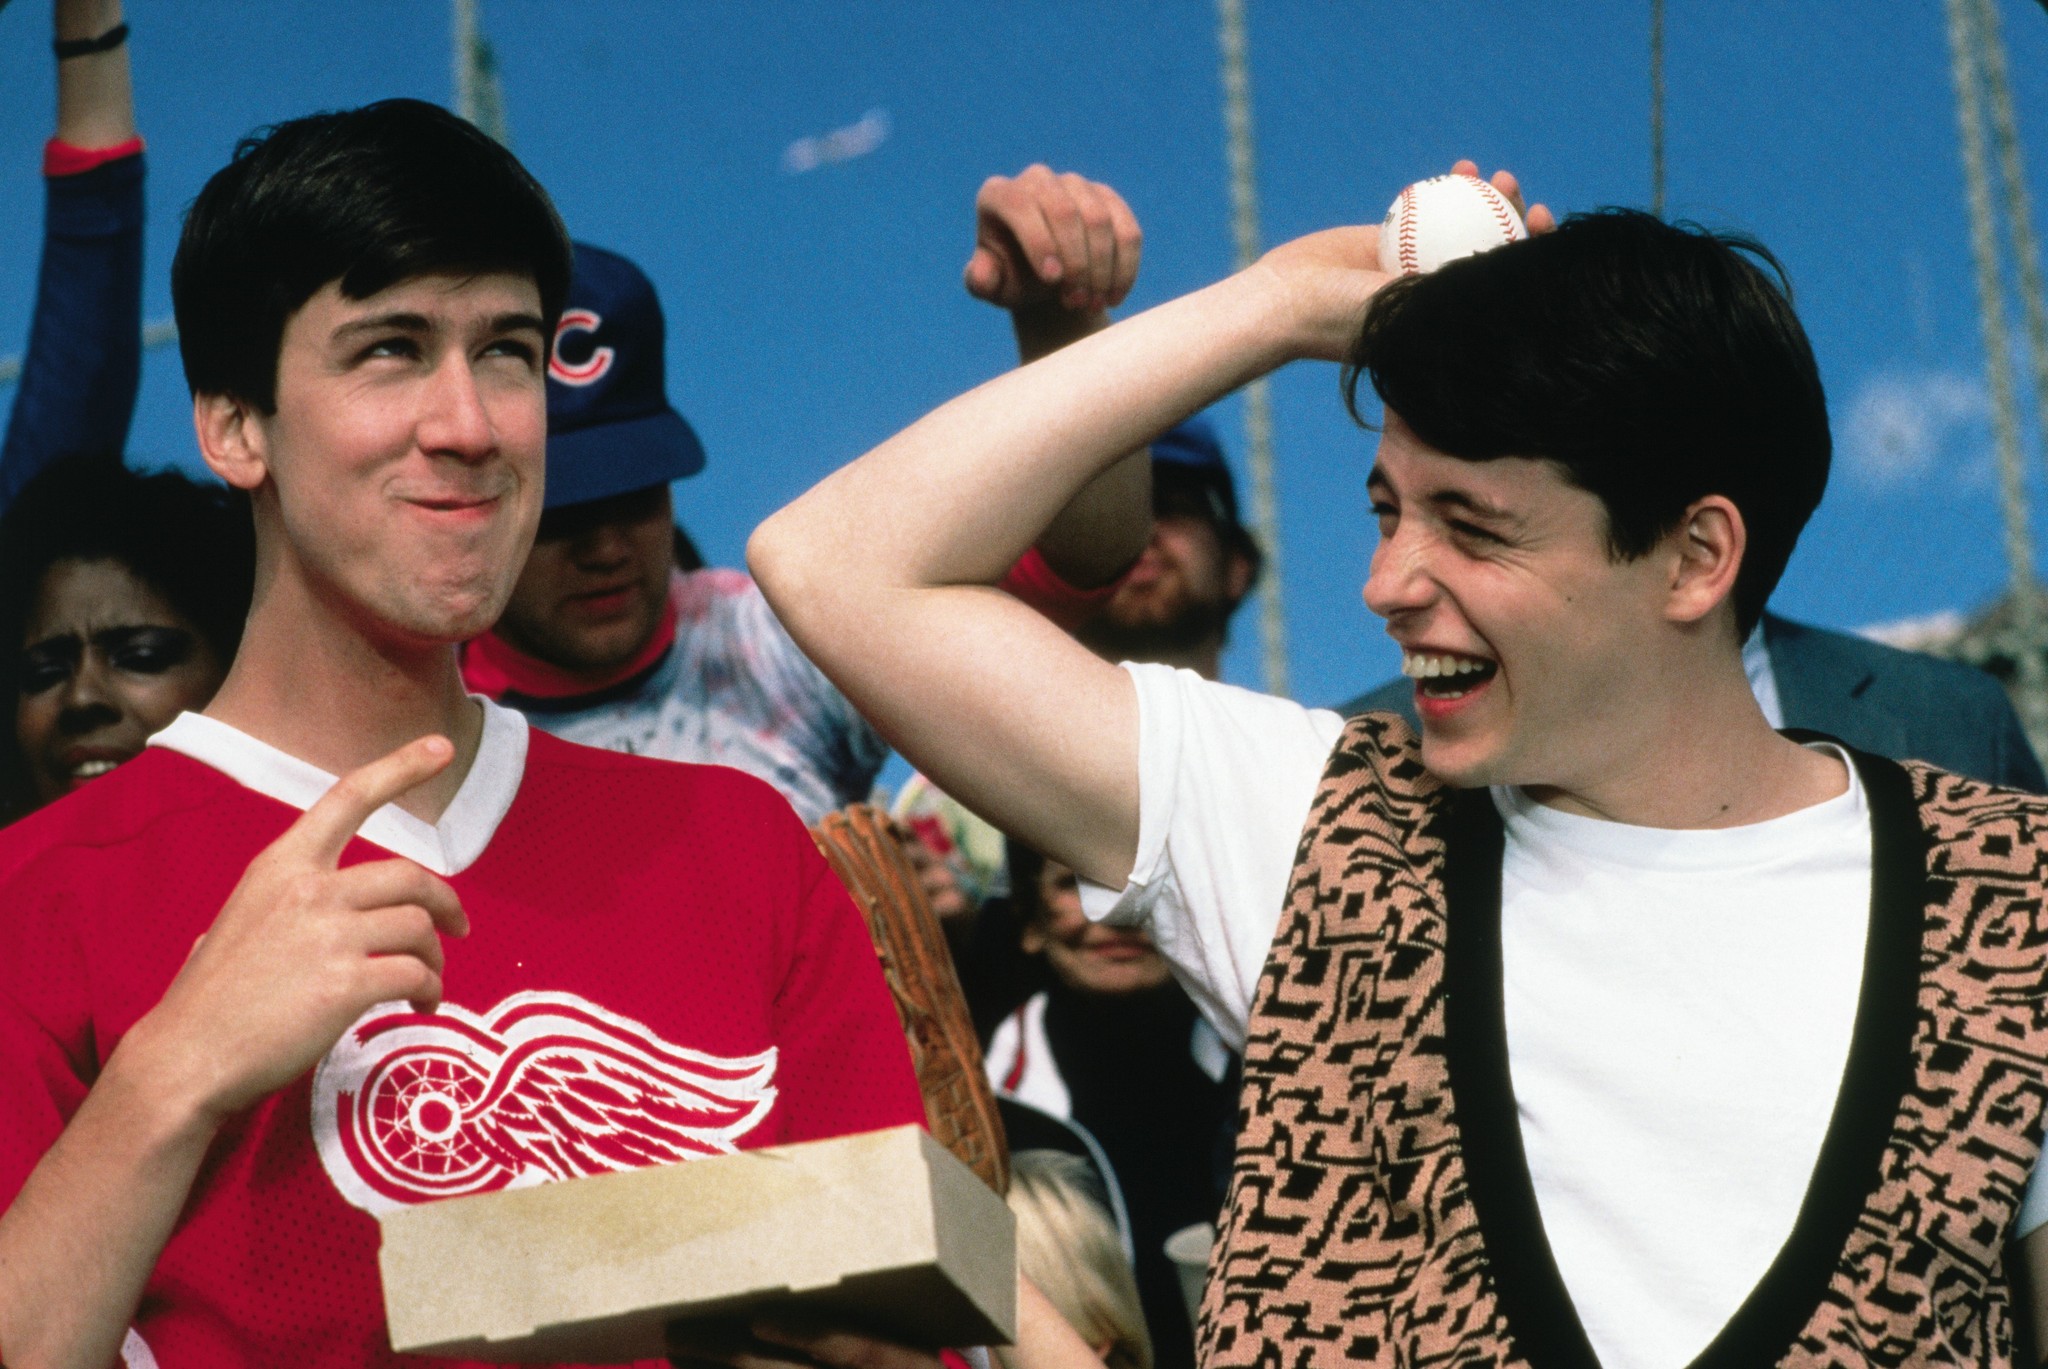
column 1965, row 42
column 1657, row 107
column 2019, row 210
column 1258, row 403
column 464, row 52
column 479, row 97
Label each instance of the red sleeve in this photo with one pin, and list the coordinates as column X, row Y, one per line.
column 64, row 159
column 844, row 1066
column 46, row 1054
column 1039, row 585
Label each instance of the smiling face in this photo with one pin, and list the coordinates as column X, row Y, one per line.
column 1090, row 956
column 106, row 662
column 399, row 479
column 1529, row 640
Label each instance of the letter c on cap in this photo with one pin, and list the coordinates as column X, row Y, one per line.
column 584, row 372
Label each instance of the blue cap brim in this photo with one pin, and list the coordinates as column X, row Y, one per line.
column 613, row 458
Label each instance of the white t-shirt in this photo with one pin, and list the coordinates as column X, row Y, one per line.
column 1679, row 1004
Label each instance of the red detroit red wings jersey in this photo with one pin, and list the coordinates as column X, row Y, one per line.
column 660, row 966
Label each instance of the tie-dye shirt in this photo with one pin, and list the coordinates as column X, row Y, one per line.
column 732, row 689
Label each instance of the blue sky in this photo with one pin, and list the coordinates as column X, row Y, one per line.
column 813, row 314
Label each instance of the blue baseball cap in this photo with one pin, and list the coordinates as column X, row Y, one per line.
column 610, row 427
column 1190, row 449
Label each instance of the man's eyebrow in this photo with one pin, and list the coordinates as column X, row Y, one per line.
column 402, row 321
column 397, row 322
column 513, row 323
column 1475, row 505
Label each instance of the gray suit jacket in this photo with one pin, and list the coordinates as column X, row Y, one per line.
column 1895, row 703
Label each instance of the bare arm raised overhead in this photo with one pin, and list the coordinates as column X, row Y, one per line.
column 84, row 362
column 881, row 571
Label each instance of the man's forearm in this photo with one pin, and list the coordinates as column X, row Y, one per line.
column 879, row 573
column 78, row 1243
column 84, row 363
column 1104, row 527
column 95, row 97
column 1041, row 332
column 958, row 496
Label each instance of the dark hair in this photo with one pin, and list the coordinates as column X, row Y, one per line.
column 1654, row 363
column 368, row 197
column 1025, row 865
column 194, row 544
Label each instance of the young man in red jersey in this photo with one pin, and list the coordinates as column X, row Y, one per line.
column 230, row 1033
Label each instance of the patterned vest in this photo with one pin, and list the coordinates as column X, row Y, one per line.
column 1381, row 1212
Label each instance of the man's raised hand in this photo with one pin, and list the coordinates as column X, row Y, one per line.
column 1536, row 220
column 303, row 948
column 1331, row 276
column 1047, row 241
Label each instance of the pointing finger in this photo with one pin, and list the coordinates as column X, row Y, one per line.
column 320, row 835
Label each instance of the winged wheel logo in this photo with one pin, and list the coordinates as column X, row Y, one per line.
column 410, row 1106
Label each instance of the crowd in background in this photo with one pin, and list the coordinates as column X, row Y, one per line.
column 123, row 596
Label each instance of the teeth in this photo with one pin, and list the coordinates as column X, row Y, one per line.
column 1420, row 667
column 92, row 770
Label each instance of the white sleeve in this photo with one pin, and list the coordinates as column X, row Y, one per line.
column 1225, row 779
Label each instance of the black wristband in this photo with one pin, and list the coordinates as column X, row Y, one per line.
column 67, row 48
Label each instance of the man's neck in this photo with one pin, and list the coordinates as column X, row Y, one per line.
column 316, row 688
column 1702, row 757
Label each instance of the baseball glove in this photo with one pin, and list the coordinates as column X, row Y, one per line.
column 865, row 850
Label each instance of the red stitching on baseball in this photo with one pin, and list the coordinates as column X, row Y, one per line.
column 1498, row 203
column 1405, row 238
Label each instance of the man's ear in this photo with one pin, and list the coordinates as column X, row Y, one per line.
column 1707, row 549
column 1238, row 570
column 232, row 440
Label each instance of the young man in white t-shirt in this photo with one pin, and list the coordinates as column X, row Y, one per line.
column 1601, row 1024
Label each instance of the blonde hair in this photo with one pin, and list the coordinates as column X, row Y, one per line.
column 1067, row 1244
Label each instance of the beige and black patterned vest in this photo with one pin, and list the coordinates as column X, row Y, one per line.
column 1381, row 1212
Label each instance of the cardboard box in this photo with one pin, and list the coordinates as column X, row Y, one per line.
column 884, row 1230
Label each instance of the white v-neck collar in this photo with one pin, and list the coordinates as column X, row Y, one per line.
column 447, row 847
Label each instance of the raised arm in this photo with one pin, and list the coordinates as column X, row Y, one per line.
column 881, row 571
column 1059, row 252
column 84, row 364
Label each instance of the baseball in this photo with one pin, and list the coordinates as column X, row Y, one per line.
column 1442, row 219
